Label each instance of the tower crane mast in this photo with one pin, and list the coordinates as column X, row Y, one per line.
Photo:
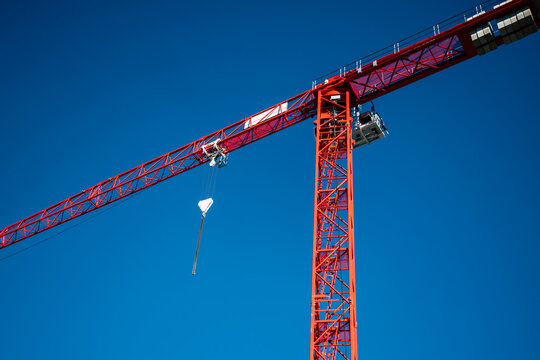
column 333, row 102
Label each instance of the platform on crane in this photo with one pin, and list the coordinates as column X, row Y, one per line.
column 367, row 127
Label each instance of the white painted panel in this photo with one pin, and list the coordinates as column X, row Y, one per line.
column 265, row 115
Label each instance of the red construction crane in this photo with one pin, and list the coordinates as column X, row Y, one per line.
column 333, row 102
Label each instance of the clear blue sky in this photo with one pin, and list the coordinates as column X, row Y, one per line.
column 447, row 207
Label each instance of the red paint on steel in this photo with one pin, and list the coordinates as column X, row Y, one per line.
column 333, row 299
column 430, row 61
column 333, row 303
column 390, row 73
column 152, row 172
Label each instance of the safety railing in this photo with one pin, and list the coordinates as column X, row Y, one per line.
column 413, row 39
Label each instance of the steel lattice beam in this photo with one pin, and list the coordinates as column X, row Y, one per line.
column 421, row 59
column 367, row 82
column 333, row 304
column 428, row 58
column 333, row 319
column 168, row 165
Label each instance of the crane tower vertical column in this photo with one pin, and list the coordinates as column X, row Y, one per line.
column 333, row 299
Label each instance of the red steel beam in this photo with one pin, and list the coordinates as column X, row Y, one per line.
column 235, row 136
column 333, row 303
column 387, row 74
column 423, row 58
column 333, row 299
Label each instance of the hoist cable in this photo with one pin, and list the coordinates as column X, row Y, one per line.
column 73, row 226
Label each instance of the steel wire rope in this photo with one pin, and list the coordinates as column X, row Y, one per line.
column 72, row 226
column 214, row 181
column 206, row 177
column 207, row 192
column 209, row 183
column 209, row 174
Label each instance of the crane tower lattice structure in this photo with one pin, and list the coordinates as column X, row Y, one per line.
column 333, row 307
column 332, row 101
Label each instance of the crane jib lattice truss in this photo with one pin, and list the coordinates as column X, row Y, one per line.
column 330, row 101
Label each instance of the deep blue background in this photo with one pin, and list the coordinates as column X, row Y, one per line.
column 447, row 210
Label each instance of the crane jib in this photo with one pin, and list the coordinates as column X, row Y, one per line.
column 476, row 33
column 233, row 137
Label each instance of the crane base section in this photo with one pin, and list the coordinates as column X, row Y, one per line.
column 367, row 128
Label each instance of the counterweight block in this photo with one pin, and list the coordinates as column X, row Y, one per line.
column 517, row 25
